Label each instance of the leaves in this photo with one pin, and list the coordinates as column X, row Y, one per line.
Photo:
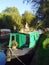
column 27, row 17
column 10, row 17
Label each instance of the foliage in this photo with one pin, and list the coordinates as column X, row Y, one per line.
column 27, row 17
column 31, row 29
column 10, row 18
column 42, row 53
column 42, row 10
column 11, row 10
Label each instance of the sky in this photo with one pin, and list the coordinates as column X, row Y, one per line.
column 22, row 7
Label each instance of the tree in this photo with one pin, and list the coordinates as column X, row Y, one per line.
column 11, row 10
column 1, row 21
column 12, row 17
column 28, row 17
column 43, row 11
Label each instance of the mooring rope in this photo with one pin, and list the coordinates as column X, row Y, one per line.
column 16, row 56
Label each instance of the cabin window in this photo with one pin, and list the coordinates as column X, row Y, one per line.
column 12, row 38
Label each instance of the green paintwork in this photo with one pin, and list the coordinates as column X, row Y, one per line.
column 19, row 38
column 22, row 40
column 34, row 36
column 14, row 35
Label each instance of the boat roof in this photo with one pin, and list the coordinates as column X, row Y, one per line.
column 5, row 30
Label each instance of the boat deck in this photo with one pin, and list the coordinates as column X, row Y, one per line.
column 21, row 52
